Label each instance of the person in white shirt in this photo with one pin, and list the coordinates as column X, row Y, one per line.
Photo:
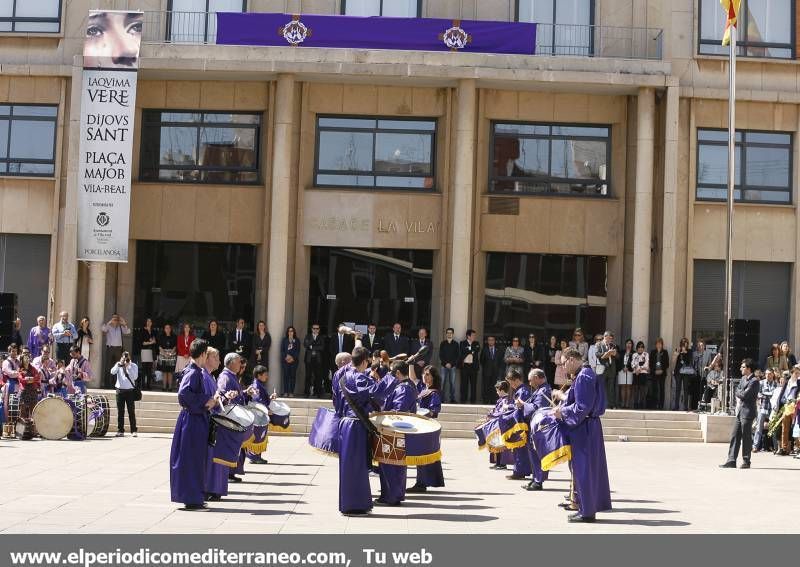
column 126, row 373
column 592, row 355
column 113, row 330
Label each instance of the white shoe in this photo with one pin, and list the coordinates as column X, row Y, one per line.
column 134, row 434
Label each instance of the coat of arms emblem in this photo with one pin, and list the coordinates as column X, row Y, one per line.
column 455, row 37
column 294, row 32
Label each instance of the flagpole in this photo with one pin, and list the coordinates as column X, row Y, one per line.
column 729, row 247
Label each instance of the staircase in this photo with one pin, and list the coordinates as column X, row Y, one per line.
column 157, row 412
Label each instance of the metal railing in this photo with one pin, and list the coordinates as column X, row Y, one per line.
column 551, row 39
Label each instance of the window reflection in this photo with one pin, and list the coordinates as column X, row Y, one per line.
column 27, row 139
column 765, row 29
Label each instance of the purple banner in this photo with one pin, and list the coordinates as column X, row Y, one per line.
column 410, row 34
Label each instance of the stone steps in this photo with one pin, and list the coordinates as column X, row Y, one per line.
column 158, row 411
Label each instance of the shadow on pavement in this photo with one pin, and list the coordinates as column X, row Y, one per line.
column 643, row 511
column 642, row 522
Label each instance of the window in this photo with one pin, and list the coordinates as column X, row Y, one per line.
column 194, row 21
column 27, row 139
column 222, row 285
column 390, row 8
column 763, row 166
column 39, row 16
column 200, row 147
column 381, row 286
column 25, row 270
column 564, row 27
column 390, row 153
column 766, row 29
column 551, row 159
column 545, row 294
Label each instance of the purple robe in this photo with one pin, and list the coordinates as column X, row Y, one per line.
column 403, row 397
column 227, row 382
column 216, row 475
column 189, row 453
column 585, row 403
column 354, row 490
column 522, row 460
column 538, row 400
column 431, row 475
column 37, row 338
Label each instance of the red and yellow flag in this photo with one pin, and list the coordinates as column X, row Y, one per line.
column 731, row 8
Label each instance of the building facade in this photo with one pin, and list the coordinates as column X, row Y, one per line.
column 513, row 194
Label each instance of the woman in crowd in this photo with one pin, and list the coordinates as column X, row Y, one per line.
column 184, row 342
column 167, row 356
column 515, row 357
column 30, row 383
column 550, row 360
column 766, row 387
column 561, row 378
column 84, row 340
column 641, row 370
column 625, row 374
column 786, row 353
column 774, row 360
column 683, row 375
column 534, row 354
column 144, row 346
column 659, row 365
column 290, row 359
column 215, row 338
column 579, row 342
column 259, row 353
column 430, row 399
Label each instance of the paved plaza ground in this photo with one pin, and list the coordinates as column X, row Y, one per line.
column 113, row 485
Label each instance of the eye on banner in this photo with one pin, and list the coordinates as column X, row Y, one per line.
column 108, row 102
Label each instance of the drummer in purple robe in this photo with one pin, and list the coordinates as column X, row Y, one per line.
column 431, row 400
column 520, row 393
column 358, row 390
column 187, row 459
column 402, row 397
column 216, row 475
column 580, row 414
column 500, row 459
column 258, row 392
column 541, row 394
column 231, row 392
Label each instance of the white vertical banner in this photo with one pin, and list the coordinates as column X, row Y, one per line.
column 108, row 103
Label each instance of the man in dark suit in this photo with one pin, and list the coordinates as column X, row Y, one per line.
column 240, row 340
column 395, row 343
column 742, row 434
column 492, row 368
column 314, row 343
column 469, row 362
column 340, row 342
column 371, row 341
column 423, row 361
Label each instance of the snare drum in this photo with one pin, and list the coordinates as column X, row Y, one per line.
column 53, row 418
column 550, row 439
column 230, row 430
column 405, row 439
column 257, row 444
column 324, row 435
column 489, row 437
column 280, row 416
column 513, row 432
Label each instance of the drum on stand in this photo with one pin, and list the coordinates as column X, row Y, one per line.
column 405, row 439
column 53, row 418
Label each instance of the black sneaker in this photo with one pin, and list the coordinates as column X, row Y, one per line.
column 728, row 465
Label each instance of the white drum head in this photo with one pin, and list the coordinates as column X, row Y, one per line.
column 240, row 415
column 279, row 408
column 405, row 423
column 424, row 412
column 53, row 418
column 260, row 412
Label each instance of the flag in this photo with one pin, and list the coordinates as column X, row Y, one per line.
column 731, row 8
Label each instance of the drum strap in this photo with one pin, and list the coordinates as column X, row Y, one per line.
column 360, row 414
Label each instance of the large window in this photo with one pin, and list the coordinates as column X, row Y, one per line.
column 551, row 159
column 200, row 147
column 564, row 26
column 195, row 21
column 27, row 139
column 766, row 28
column 194, row 282
column 763, row 166
column 375, row 152
column 37, row 16
column 370, row 286
column 545, row 294
column 391, row 8
column 25, row 270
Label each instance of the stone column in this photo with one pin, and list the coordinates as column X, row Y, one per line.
column 670, row 217
column 281, row 230
column 463, row 204
column 96, row 309
column 643, row 211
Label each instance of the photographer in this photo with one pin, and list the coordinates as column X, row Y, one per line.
column 126, row 373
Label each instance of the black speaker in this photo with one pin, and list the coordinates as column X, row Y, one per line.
column 8, row 300
column 5, row 340
column 7, row 328
column 8, row 312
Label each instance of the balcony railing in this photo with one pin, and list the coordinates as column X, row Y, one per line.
column 551, row 39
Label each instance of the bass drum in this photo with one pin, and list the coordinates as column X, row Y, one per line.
column 53, row 418
column 99, row 415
